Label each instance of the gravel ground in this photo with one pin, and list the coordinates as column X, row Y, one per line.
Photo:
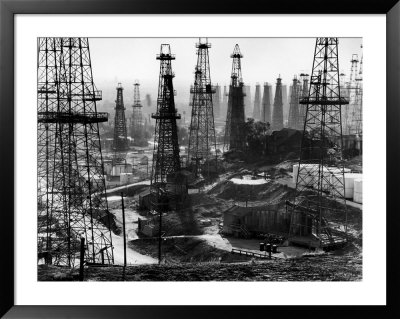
column 308, row 268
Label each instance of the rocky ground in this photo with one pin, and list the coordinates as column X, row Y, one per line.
column 327, row 267
column 194, row 251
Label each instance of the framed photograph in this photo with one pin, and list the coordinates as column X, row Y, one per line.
column 165, row 160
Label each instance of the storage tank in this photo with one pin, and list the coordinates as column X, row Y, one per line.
column 126, row 178
column 337, row 181
column 121, row 168
column 123, row 178
column 307, row 173
column 357, row 197
column 107, row 168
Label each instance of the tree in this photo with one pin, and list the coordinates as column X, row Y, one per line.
column 256, row 137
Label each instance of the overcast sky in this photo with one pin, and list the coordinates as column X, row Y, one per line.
column 127, row 59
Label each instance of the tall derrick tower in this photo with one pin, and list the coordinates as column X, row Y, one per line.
column 293, row 121
column 71, row 188
column 120, row 143
column 225, row 102
column 166, row 149
column 357, row 111
column 266, row 104
column 202, row 143
column 277, row 113
column 217, row 101
column 235, row 115
column 137, row 118
column 257, row 103
column 352, row 93
column 303, row 94
column 320, row 187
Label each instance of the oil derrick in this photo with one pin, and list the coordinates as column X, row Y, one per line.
column 148, row 100
column 137, row 118
column 202, row 143
column 257, row 103
column 320, row 188
column 293, row 121
column 71, row 188
column 303, row 94
column 217, row 101
column 266, row 104
column 352, row 92
column 247, row 101
column 224, row 109
column 235, row 115
column 357, row 111
column 120, row 143
column 277, row 113
column 166, row 159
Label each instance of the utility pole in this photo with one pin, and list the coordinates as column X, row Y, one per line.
column 159, row 237
column 82, row 258
column 123, row 226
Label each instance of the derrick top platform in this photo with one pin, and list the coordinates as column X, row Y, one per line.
column 165, row 56
column 72, row 117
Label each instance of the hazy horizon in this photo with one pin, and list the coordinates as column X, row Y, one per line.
column 124, row 60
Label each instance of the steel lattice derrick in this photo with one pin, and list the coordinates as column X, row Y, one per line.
column 217, row 101
column 235, row 117
column 303, row 94
column 348, row 111
column 69, row 147
column 225, row 103
column 48, row 91
column 257, row 103
column 202, row 142
column 266, row 104
column 320, row 183
column 277, row 112
column 120, row 143
column 293, row 121
column 166, row 149
column 137, row 118
column 357, row 111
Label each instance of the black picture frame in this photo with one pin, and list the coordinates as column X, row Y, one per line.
column 8, row 10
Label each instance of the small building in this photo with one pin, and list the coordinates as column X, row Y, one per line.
column 146, row 227
column 107, row 167
column 126, row 178
column 112, row 181
column 117, row 169
column 144, row 160
column 145, row 200
column 249, row 221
